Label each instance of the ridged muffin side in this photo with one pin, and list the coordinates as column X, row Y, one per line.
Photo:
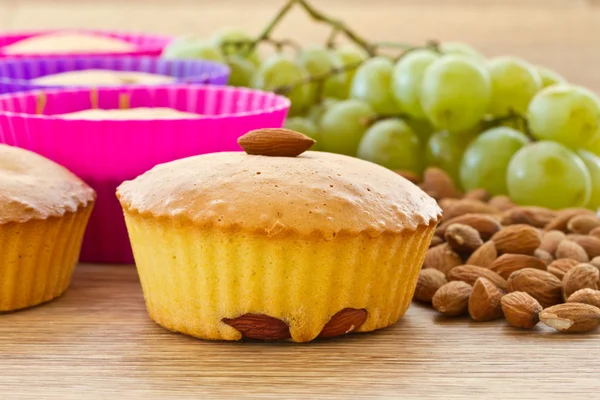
column 194, row 278
column 38, row 258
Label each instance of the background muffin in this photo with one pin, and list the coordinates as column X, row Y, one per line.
column 44, row 210
column 233, row 240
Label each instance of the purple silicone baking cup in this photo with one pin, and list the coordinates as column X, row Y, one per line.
column 146, row 45
column 105, row 153
column 16, row 73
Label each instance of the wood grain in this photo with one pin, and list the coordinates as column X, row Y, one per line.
column 97, row 341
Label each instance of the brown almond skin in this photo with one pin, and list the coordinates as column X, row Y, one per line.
column 591, row 244
column 586, row 296
column 541, row 285
column 344, row 321
column 506, row 264
column 275, row 142
column 452, row 299
column 468, row 206
column 581, row 276
column 429, row 281
column 595, row 232
column 484, row 303
column 517, row 239
column 583, row 224
column 486, row 225
column 595, row 262
column 470, row 273
column 436, row 240
column 438, row 184
column 543, row 256
column 478, row 194
column 571, row 317
column 570, row 249
column 560, row 267
column 462, row 238
column 563, row 216
column 501, row 202
column 551, row 240
column 442, row 257
column 534, row 216
column 521, row 310
column 259, row 326
column 484, row 256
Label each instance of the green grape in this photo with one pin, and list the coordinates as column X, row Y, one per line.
column 422, row 128
column 234, row 35
column 486, row 159
column 372, row 84
column 350, row 56
column 343, row 126
column 316, row 111
column 242, row 71
column 319, row 61
column 461, row 49
column 566, row 114
column 278, row 71
column 594, row 144
column 592, row 162
column 547, row 174
column 391, row 143
column 305, row 126
column 407, row 78
column 194, row 48
column 549, row 77
column 514, row 83
column 445, row 150
column 455, row 93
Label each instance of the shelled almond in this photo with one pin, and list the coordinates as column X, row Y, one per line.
column 490, row 259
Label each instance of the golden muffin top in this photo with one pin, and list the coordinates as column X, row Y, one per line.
column 128, row 114
column 315, row 192
column 104, row 77
column 33, row 187
column 68, row 42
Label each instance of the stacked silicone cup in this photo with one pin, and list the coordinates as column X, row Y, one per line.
column 105, row 153
column 16, row 73
column 147, row 45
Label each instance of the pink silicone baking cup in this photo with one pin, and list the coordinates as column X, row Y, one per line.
column 147, row 45
column 105, row 153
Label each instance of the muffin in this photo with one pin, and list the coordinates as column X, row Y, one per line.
column 129, row 114
column 102, row 77
column 44, row 210
column 265, row 245
column 68, row 42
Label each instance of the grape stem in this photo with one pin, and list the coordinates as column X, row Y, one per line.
column 266, row 33
column 339, row 25
column 317, row 78
column 512, row 116
column 330, row 44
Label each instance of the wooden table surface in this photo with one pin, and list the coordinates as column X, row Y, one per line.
column 97, row 342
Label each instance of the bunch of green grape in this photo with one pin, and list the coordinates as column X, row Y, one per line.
column 501, row 124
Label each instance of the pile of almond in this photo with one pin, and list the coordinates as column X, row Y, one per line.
column 492, row 259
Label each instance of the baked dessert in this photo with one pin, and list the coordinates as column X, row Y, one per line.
column 138, row 113
column 68, row 42
column 44, row 210
column 266, row 245
column 102, row 77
